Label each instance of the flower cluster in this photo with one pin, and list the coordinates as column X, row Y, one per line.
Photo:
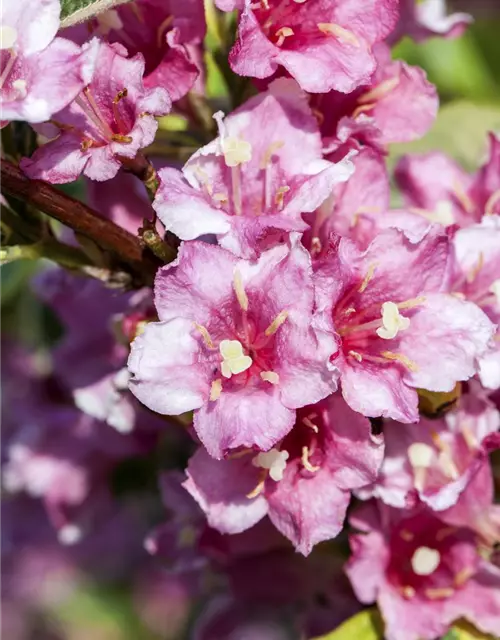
column 302, row 347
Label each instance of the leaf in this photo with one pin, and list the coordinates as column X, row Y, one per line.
column 464, row 630
column 365, row 625
column 75, row 11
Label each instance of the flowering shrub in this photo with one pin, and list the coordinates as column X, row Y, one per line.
column 265, row 397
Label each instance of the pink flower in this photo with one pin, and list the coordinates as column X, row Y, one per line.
column 111, row 119
column 40, row 74
column 165, row 32
column 423, row 573
column 422, row 19
column 250, row 185
column 303, row 483
column 397, row 104
column 477, row 278
column 435, row 460
column 234, row 343
column 323, row 44
column 440, row 191
column 393, row 324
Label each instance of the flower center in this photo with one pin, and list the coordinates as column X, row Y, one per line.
column 274, row 461
column 425, row 561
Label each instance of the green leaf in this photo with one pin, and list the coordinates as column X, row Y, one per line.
column 75, row 11
column 463, row 630
column 366, row 625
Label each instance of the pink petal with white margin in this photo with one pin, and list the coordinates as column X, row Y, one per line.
column 196, row 284
column 186, row 211
column 378, row 391
column 166, row 374
column 249, row 417
column 307, row 510
column 454, row 331
column 220, row 487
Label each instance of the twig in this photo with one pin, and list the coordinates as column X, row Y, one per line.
column 127, row 249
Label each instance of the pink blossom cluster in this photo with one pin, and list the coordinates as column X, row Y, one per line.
column 276, row 379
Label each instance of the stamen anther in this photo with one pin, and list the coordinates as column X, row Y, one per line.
column 270, row 376
column 239, row 290
column 276, row 323
column 205, row 335
column 306, row 462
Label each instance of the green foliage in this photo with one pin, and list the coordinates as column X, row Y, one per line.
column 74, row 11
column 365, row 625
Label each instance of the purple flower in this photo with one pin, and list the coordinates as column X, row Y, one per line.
column 323, row 44
column 303, row 483
column 234, row 343
column 40, row 74
column 250, row 185
column 112, row 118
column 386, row 309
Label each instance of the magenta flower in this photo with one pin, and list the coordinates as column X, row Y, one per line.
column 112, row 118
column 234, row 343
column 387, row 310
column 422, row 19
column 165, row 32
column 435, row 460
column 423, row 573
column 477, row 278
column 323, row 44
column 397, row 104
column 40, row 74
column 250, row 185
column 440, row 191
column 302, row 483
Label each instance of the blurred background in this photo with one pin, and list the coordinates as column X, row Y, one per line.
column 80, row 597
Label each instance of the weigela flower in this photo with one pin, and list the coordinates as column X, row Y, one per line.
column 96, row 337
column 323, row 44
column 234, row 343
column 110, row 120
column 439, row 190
column 397, row 104
column 435, row 460
column 423, row 573
column 386, row 309
column 40, row 74
column 477, row 278
column 165, row 32
column 251, row 184
column 422, row 19
column 302, row 483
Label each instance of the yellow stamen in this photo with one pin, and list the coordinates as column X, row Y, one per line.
column 463, row 197
column 399, row 357
column 276, row 323
column 279, row 199
column 266, row 158
column 474, row 272
column 220, row 197
column 305, row 461
column 239, row 290
column 413, row 302
column 380, row 91
column 462, row 576
column 258, row 489
column 408, row 592
column 160, row 33
column 363, row 108
column 205, row 335
column 120, row 95
column 392, row 321
column 368, row 276
column 357, row 356
column 309, row 423
column 282, row 34
column 344, row 35
column 8, row 37
column 439, row 593
column 469, row 437
column 407, row 536
column 491, row 202
column 117, row 137
column 270, row 376
column 215, row 390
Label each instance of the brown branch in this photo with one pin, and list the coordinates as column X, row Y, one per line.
column 82, row 219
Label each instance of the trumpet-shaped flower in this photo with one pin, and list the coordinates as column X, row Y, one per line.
column 234, row 344
column 109, row 121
